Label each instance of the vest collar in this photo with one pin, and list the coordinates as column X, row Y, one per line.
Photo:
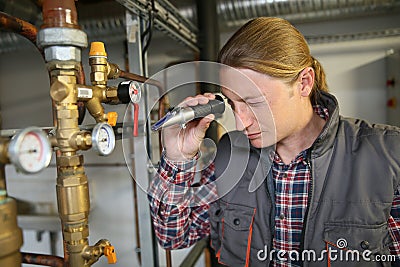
column 327, row 136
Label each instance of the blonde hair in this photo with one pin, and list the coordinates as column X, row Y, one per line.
column 274, row 47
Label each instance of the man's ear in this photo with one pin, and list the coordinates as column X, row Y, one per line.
column 306, row 81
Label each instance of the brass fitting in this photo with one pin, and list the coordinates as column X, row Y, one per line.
column 102, row 247
column 63, row 55
column 94, row 96
column 113, row 71
column 63, row 93
column 101, row 70
column 70, row 161
column 53, row 140
column 73, row 207
column 111, row 95
column 98, row 64
column 98, row 78
column 4, row 151
column 10, row 233
column 81, row 140
column 96, row 109
column 59, row 90
column 72, row 185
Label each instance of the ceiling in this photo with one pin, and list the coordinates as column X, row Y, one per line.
column 234, row 13
column 105, row 19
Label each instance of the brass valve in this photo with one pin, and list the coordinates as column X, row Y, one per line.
column 102, row 247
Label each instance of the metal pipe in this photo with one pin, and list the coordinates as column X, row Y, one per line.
column 19, row 26
column 207, row 19
column 60, row 19
column 142, row 79
column 208, row 42
column 3, row 185
column 194, row 254
column 2, row 166
column 59, row 13
column 168, row 258
column 81, row 105
column 41, row 259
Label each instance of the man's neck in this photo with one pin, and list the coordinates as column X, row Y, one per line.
column 291, row 146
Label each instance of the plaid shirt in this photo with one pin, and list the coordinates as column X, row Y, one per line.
column 179, row 223
column 292, row 184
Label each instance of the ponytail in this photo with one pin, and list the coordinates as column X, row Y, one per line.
column 320, row 81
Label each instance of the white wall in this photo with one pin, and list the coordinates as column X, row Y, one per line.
column 356, row 74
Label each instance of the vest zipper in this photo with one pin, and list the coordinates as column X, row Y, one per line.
column 309, row 196
column 272, row 213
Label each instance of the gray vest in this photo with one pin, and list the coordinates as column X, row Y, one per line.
column 355, row 170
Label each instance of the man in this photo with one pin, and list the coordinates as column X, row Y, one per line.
column 326, row 194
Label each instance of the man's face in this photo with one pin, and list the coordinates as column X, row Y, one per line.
column 264, row 107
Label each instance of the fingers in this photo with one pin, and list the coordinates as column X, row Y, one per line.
column 197, row 100
column 204, row 123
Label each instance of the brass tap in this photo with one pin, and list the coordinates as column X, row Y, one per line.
column 102, row 247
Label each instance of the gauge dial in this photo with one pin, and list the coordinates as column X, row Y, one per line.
column 134, row 92
column 30, row 150
column 103, row 139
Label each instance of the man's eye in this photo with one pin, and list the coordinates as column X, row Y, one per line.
column 254, row 103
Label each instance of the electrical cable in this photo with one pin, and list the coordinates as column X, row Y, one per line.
column 148, row 32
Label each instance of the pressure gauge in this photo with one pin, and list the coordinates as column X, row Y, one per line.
column 129, row 91
column 30, row 150
column 103, row 139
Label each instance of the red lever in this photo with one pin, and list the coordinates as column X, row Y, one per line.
column 136, row 119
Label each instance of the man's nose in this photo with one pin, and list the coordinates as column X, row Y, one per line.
column 243, row 118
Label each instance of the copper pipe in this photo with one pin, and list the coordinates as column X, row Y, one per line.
column 80, row 78
column 168, row 258
column 207, row 258
column 40, row 259
column 65, row 248
column 60, row 13
column 142, row 79
column 19, row 26
column 2, row 167
column 136, row 212
column 3, row 177
column 162, row 105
